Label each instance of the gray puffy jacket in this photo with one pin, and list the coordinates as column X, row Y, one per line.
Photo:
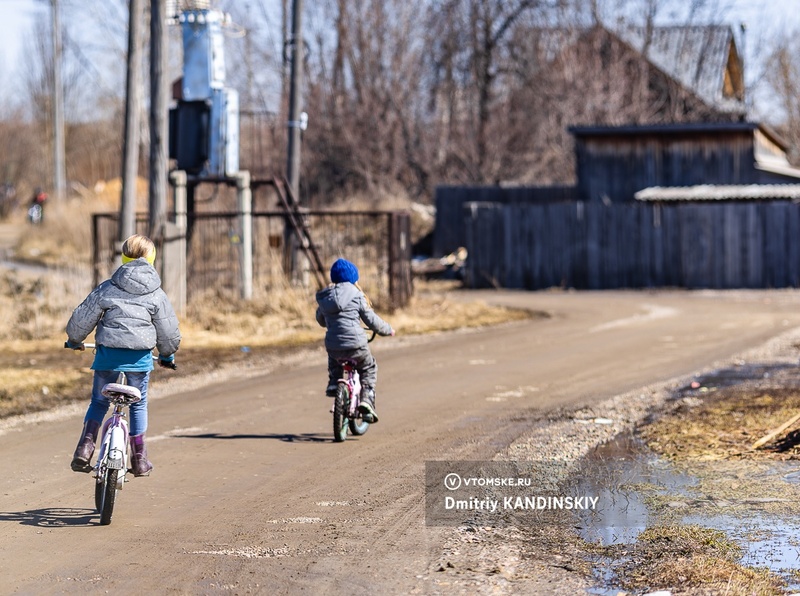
column 130, row 310
column 341, row 309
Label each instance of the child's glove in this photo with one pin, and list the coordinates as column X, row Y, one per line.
column 167, row 362
column 73, row 346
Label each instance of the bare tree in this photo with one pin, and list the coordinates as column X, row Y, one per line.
column 364, row 97
column 783, row 77
column 470, row 57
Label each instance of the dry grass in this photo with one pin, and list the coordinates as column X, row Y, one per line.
column 692, row 560
column 725, row 426
column 286, row 317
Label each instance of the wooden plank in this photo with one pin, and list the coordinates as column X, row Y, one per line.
column 776, row 433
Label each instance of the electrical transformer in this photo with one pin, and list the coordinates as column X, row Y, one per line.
column 204, row 125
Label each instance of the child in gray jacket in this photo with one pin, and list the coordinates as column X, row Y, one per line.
column 342, row 307
column 132, row 315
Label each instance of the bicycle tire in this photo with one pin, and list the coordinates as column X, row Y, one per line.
column 109, row 497
column 340, row 421
column 358, row 426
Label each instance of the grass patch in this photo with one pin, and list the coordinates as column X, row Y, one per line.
column 688, row 559
column 725, row 426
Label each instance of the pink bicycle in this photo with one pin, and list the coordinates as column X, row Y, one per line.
column 346, row 415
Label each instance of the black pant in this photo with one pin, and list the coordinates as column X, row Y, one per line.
column 365, row 365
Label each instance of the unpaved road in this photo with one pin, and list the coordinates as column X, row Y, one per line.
column 250, row 495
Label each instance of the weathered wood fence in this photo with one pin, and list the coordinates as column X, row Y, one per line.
column 736, row 244
column 379, row 242
column 450, row 201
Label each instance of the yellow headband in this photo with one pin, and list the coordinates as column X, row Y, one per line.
column 151, row 258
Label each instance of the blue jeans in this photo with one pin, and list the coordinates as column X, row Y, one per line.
column 99, row 406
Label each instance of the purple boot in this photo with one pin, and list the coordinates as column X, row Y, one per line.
column 85, row 449
column 140, row 466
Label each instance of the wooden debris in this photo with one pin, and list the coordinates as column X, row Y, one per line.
column 775, row 433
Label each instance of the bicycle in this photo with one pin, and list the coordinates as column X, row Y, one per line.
column 346, row 415
column 35, row 214
column 111, row 468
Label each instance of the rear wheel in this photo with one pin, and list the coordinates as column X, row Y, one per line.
column 108, row 492
column 340, row 422
column 358, row 426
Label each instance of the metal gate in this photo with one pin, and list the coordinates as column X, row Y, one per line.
column 378, row 242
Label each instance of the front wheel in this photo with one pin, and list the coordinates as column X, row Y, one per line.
column 340, row 407
column 105, row 494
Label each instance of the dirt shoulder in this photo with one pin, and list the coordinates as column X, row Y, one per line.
column 704, row 424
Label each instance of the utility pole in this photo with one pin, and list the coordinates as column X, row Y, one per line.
column 295, row 100
column 130, row 148
column 159, row 128
column 59, row 169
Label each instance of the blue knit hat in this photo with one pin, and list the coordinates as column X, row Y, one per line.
column 344, row 270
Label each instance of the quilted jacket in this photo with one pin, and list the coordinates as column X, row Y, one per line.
column 342, row 308
column 130, row 311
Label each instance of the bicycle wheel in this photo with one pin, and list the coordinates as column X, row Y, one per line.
column 109, row 496
column 341, row 403
column 358, row 426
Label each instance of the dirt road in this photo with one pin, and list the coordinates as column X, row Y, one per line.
column 250, row 495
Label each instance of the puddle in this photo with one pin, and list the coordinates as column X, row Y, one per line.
column 626, row 476
column 613, row 472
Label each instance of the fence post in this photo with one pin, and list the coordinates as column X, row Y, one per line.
column 174, row 246
column 399, row 259
column 95, row 249
column 245, row 199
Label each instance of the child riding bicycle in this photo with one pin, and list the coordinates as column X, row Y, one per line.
column 341, row 308
column 132, row 315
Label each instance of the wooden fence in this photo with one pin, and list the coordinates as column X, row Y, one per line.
column 450, row 201
column 378, row 242
column 735, row 244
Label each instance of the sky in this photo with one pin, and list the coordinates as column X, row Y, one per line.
column 764, row 18
column 16, row 18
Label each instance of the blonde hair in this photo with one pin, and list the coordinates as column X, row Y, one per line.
column 138, row 246
column 369, row 302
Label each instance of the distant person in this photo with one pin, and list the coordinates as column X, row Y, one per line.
column 342, row 307
column 36, row 209
column 132, row 315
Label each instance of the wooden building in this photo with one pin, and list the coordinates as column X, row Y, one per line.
column 613, row 163
column 706, row 200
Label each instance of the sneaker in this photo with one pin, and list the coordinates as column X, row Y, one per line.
column 367, row 405
column 331, row 390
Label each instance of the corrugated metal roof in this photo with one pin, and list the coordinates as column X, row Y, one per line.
column 720, row 192
column 696, row 56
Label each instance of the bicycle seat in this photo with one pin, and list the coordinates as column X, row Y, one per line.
column 346, row 361
column 124, row 394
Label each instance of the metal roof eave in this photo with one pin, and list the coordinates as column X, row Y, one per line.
column 719, row 192
column 778, row 169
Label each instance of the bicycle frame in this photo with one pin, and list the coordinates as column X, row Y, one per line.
column 353, row 381
column 114, row 448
